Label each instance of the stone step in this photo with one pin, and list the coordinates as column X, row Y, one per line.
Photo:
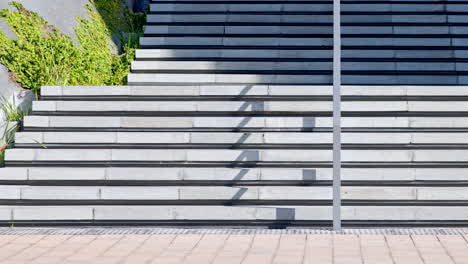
column 421, row 6
column 234, row 155
column 287, row 1
column 293, row 41
column 252, row 90
column 326, row 17
column 288, row 66
column 168, row 194
column 231, row 213
column 239, row 122
column 236, row 138
column 421, row 175
column 259, row 29
column 264, row 66
column 317, row 78
column 248, row 106
column 318, row 53
column 190, row 78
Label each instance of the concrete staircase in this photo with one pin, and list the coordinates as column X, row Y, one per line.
column 227, row 121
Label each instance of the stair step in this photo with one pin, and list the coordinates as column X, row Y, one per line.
column 264, row 66
column 303, row 17
column 320, row 78
column 232, row 214
column 319, row 28
column 234, row 122
column 277, row 53
column 288, row 66
column 248, row 106
column 218, row 194
column 187, row 78
column 38, row 138
column 234, row 155
column 253, row 90
column 312, row 40
column 422, row 6
column 180, row 175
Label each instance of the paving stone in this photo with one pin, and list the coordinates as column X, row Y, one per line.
column 374, row 249
column 430, row 249
column 261, row 250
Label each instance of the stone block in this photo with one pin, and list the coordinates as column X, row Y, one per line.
column 134, row 213
column 221, row 174
column 219, row 193
column 379, row 193
column 139, row 193
column 10, row 192
column 60, row 193
column 84, row 121
column 13, row 174
column 36, row 121
column 52, row 213
column 148, row 154
column 215, row 212
column 145, row 174
column 44, row 173
column 295, row 193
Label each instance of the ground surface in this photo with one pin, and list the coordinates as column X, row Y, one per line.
column 135, row 246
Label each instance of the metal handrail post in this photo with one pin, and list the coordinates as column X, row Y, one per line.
column 336, row 115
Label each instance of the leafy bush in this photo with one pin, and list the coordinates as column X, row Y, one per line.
column 43, row 56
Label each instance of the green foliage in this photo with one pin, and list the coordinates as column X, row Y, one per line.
column 43, row 56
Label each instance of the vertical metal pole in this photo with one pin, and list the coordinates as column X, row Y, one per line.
column 336, row 115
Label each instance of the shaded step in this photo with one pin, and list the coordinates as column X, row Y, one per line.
column 311, row 17
column 187, row 78
column 311, row 78
column 295, row 66
column 312, row 53
column 364, row 6
column 312, row 40
column 254, row 90
column 317, row 28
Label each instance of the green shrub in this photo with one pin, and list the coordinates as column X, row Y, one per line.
column 43, row 56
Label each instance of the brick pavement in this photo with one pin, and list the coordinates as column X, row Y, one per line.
column 255, row 248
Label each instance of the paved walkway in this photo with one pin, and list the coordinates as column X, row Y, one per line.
column 225, row 248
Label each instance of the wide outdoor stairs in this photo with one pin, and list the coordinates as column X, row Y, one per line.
column 227, row 121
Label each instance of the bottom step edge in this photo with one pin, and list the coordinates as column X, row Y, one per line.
column 278, row 224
